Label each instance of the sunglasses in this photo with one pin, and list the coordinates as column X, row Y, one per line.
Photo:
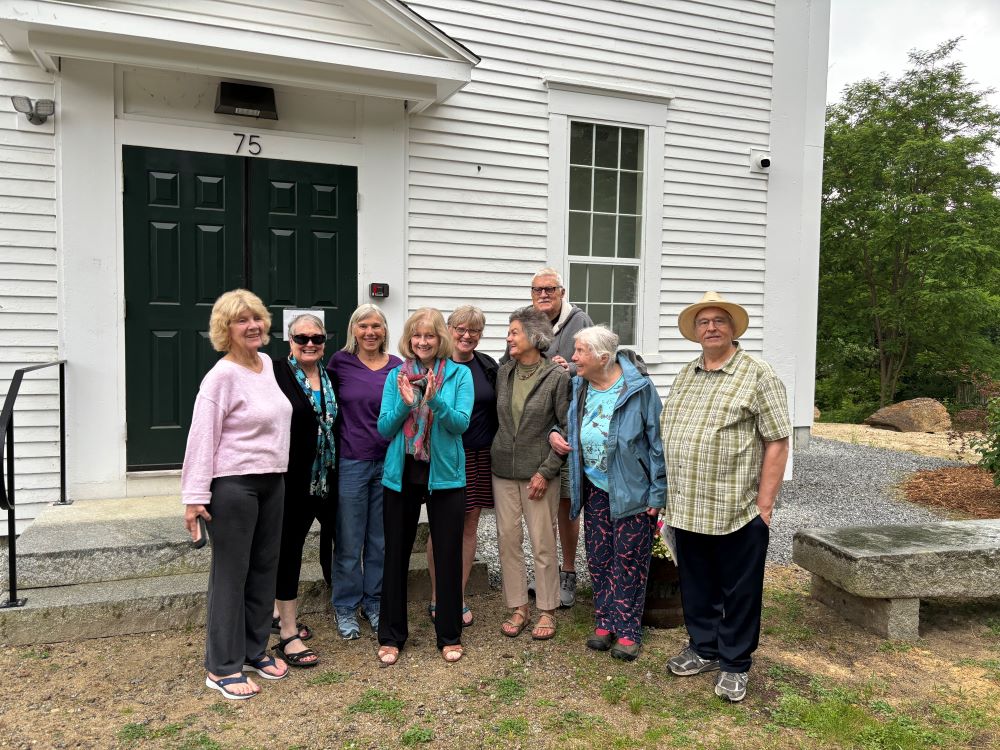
column 317, row 339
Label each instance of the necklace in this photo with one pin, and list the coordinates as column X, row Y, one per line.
column 525, row 372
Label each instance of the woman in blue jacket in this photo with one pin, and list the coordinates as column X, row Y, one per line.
column 426, row 404
column 618, row 475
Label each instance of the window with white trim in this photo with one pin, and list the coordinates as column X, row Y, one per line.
column 604, row 241
column 605, row 228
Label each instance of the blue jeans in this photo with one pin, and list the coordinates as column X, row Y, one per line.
column 359, row 550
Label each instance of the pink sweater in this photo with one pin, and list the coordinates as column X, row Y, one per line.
column 241, row 425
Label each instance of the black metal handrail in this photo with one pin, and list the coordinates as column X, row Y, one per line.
column 7, row 478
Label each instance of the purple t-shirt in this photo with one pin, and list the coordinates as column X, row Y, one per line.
column 359, row 398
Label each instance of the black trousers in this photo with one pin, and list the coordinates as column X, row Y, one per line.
column 301, row 509
column 722, row 590
column 245, row 531
column 400, row 515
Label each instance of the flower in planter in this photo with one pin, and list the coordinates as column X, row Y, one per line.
column 661, row 550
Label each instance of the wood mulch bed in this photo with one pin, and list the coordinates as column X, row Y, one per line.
column 964, row 490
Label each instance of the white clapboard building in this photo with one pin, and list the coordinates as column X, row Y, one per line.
column 441, row 149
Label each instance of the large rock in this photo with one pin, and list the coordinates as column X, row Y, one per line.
column 915, row 415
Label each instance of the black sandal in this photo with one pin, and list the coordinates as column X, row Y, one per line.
column 301, row 628
column 296, row 659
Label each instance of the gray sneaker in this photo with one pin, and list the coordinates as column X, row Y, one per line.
column 732, row 686
column 347, row 624
column 567, row 588
column 687, row 663
column 372, row 616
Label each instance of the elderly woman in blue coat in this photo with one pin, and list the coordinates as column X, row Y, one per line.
column 426, row 405
column 618, row 477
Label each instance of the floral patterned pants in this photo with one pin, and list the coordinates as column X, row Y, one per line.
column 618, row 559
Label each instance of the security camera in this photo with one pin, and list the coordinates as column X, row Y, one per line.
column 760, row 160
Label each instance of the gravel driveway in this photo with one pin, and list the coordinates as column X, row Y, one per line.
column 834, row 484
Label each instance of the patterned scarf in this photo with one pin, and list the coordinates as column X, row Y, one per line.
column 417, row 427
column 326, row 413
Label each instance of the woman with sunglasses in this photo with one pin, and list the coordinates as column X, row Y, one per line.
column 426, row 405
column 310, row 484
column 466, row 326
column 358, row 372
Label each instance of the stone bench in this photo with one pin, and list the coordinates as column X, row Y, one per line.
column 876, row 576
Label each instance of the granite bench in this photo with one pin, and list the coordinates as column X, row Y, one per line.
column 876, row 576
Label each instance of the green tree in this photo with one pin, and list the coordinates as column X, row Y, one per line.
column 910, row 231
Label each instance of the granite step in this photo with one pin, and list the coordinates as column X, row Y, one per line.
column 93, row 541
column 120, row 607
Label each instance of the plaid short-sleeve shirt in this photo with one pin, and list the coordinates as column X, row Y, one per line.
column 714, row 424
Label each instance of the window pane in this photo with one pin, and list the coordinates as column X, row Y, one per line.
column 577, row 283
column 628, row 236
column 631, row 149
column 625, row 286
column 600, row 314
column 599, row 283
column 579, row 188
column 606, row 150
column 581, row 143
column 623, row 323
column 579, row 233
column 604, row 236
column 629, row 201
column 605, row 190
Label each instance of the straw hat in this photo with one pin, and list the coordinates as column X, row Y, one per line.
column 685, row 321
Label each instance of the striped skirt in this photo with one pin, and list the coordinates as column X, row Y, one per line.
column 478, row 480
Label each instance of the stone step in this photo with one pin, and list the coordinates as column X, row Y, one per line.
column 97, row 610
column 92, row 541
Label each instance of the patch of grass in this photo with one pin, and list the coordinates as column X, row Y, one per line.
column 378, row 703
column 133, row 732
column 329, row 677
column 894, row 647
column 222, row 709
column 614, row 690
column 509, row 689
column 783, row 615
column 991, row 666
column 37, row 653
column 512, row 728
column 993, row 627
column 416, row 736
column 199, row 741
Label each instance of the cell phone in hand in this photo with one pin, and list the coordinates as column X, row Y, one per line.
column 201, row 538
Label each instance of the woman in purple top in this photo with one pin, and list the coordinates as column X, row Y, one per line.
column 358, row 373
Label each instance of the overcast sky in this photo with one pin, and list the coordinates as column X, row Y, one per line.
column 869, row 37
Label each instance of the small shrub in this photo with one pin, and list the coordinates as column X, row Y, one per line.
column 988, row 446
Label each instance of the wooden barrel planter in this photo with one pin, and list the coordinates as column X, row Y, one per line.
column 663, row 595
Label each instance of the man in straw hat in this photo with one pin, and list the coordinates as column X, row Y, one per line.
column 725, row 439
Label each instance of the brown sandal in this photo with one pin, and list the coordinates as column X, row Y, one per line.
column 541, row 625
column 513, row 628
column 387, row 656
column 452, row 654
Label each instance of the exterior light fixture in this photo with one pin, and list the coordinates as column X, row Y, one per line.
column 37, row 112
column 245, row 100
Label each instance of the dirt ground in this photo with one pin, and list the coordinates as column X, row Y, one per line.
column 818, row 681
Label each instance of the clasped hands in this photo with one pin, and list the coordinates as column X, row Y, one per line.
column 408, row 392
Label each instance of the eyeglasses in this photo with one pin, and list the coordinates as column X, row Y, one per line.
column 538, row 291
column 317, row 339
column 718, row 322
column 461, row 331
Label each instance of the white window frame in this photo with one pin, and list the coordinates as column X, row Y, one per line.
column 644, row 109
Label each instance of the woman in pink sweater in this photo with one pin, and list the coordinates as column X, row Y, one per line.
column 236, row 457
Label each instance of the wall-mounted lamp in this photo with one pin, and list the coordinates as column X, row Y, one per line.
column 37, row 112
column 245, row 100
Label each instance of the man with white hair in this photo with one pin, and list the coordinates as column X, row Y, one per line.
column 725, row 433
column 548, row 294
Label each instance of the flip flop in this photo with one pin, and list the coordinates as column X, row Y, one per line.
column 452, row 654
column 431, row 610
column 472, row 620
column 387, row 651
column 261, row 663
column 296, row 659
column 223, row 684
column 302, row 628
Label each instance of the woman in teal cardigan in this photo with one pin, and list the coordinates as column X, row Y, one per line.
column 426, row 405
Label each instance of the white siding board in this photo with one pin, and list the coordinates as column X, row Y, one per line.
column 28, row 284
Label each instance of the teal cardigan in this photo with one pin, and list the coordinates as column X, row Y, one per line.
column 451, row 407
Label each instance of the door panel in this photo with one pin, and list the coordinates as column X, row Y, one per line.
column 183, row 247
column 195, row 226
column 304, row 242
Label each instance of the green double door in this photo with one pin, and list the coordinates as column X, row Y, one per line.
column 197, row 225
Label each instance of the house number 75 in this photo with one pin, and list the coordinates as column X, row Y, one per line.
column 248, row 143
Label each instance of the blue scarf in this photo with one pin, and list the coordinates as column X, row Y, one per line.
column 326, row 413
